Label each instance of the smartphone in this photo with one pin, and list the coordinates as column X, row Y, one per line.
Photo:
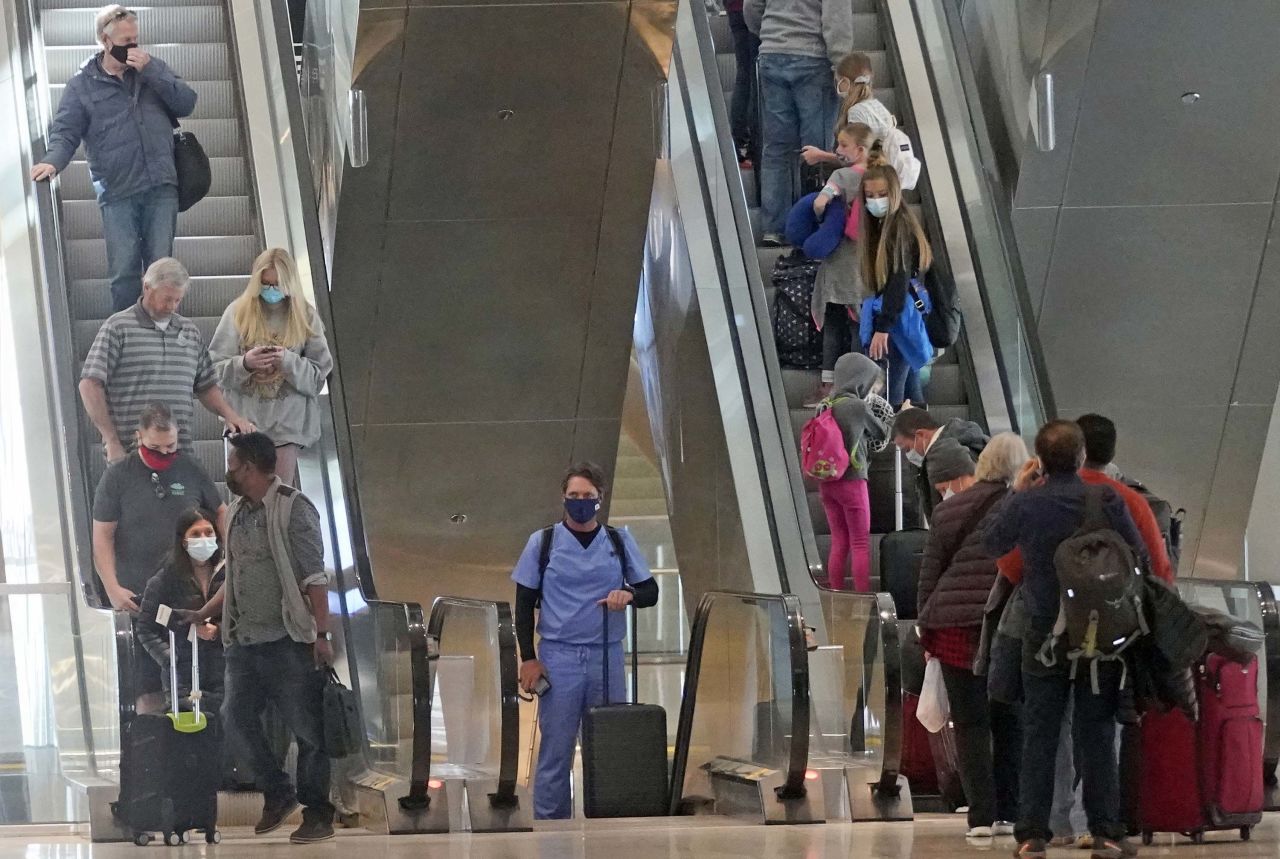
column 542, row 687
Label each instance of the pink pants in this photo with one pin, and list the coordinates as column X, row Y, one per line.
column 848, row 509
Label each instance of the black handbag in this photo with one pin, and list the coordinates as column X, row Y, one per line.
column 343, row 731
column 192, row 165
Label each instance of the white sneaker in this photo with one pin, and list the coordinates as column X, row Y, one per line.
column 979, row 832
column 1001, row 827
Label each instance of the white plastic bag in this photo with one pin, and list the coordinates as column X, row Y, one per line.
column 934, row 709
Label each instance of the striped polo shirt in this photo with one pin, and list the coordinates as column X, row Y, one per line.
column 138, row 363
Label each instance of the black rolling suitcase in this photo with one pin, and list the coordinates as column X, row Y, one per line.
column 171, row 767
column 624, row 750
column 901, row 552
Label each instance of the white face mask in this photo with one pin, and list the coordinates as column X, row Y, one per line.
column 201, row 549
column 878, row 206
column 947, row 493
column 915, row 459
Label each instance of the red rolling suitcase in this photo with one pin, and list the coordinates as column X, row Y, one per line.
column 1206, row 775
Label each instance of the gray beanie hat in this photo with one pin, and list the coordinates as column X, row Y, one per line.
column 946, row 461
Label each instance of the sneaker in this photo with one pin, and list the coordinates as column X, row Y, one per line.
column 1084, row 842
column 1120, row 848
column 1063, row 840
column 311, row 831
column 978, row 832
column 1001, row 827
column 773, row 240
column 1032, row 848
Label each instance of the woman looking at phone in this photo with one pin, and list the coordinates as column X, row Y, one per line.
column 271, row 357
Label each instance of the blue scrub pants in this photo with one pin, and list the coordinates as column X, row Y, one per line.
column 576, row 673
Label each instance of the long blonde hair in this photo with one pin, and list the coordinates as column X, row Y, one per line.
column 852, row 67
column 886, row 242
column 247, row 311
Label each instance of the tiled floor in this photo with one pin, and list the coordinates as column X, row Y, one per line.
column 927, row 838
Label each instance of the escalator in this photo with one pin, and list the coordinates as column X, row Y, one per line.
column 234, row 55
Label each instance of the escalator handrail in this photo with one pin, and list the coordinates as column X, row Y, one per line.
column 1027, row 330
column 508, row 686
column 798, row 762
column 891, row 646
column 1271, row 651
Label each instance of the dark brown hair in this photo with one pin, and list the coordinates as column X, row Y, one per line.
column 588, row 470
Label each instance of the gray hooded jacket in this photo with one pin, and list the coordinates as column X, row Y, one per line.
column 855, row 377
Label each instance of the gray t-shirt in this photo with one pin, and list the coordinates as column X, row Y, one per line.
column 259, row 616
column 146, row 510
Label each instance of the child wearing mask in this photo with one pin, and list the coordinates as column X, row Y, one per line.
column 859, row 105
column 894, row 252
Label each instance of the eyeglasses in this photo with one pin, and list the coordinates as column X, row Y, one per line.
column 157, row 487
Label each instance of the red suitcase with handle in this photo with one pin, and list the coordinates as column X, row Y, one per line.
column 1206, row 775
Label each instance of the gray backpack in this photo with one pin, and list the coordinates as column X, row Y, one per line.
column 1100, row 583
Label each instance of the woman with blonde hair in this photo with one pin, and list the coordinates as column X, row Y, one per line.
column 272, row 359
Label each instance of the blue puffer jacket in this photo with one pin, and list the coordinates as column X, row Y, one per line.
column 124, row 125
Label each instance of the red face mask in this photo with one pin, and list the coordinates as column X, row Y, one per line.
column 155, row 460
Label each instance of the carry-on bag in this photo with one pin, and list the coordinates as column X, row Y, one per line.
column 798, row 340
column 901, row 551
column 171, row 764
column 1205, row 775
column 624, row 749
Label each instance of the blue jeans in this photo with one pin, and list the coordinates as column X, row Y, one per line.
column 903, row 381
column 139, row 230
column 1046, row 693
column 799, row 110
column 576, row 674
column 282, row 671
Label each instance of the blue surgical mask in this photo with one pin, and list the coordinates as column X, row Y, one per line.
column 271, row 294
column 915, row 459
column 582, row 510
column 878, row 206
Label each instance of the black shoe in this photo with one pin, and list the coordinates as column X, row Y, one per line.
column 311, row 831
column 1117, row 848
column 274, row 814
column 1032, row 848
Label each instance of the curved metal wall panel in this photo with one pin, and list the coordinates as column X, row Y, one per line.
column 486, row 269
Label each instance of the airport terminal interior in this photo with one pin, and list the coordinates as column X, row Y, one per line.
column 514, row 237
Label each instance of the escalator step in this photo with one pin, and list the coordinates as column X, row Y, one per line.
column 197, row 61
column 74, row 27
column 229, row 178
column 867, row 35
column 216, row 216
column 207, row 296
column 203, row 255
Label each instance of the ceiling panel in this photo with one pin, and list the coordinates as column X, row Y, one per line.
column 481, row 321
column 1173, row 449
column 458, row 158
column 1137, row 142
column 1149, row 304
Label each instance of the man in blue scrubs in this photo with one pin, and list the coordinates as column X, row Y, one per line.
column 569, row 573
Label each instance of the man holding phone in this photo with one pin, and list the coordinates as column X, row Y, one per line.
column 1047, row 507
column 121, row 104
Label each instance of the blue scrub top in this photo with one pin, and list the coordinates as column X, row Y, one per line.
column 576, row 579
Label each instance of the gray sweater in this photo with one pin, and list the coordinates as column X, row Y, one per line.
column 855, row 376
column 839, row 279
column 285, row 407
column 805, row 28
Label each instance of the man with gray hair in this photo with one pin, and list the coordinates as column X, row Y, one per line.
column 123, row 104
column 148, row 353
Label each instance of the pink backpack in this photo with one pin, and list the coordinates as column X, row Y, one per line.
column 822, row 452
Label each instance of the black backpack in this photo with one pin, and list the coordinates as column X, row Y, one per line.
column 798, row 339
column 1169, row 520
column 1101, row 588
column 942, row 322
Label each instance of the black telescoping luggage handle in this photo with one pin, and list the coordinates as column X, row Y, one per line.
column 635, row 655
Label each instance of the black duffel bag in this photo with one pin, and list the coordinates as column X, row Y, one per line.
column 192, row 165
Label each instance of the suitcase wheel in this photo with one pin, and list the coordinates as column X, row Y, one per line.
column 1246, row 832
column 186, row 838
column 1147, row 837
column 1197, row 837
column 142, row 839
column 213, row 836
column 173, row 839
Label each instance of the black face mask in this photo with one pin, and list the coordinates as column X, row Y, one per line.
column 121, row 52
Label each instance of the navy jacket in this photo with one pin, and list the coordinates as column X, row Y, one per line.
column 123, row 124
column 1038, row 520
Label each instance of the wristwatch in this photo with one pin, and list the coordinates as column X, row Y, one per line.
column 327, row 636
